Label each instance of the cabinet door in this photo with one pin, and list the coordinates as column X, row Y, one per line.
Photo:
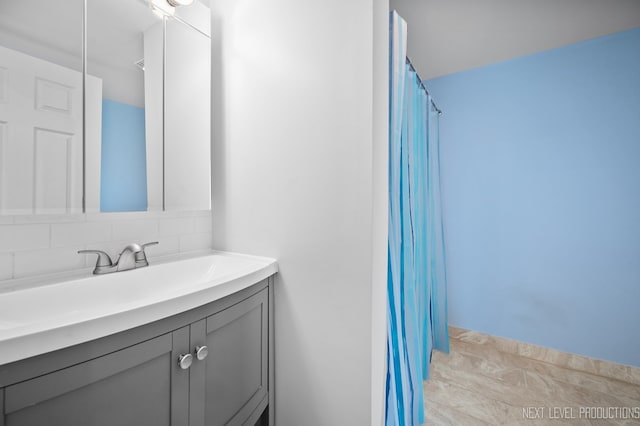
column 132, row 386
column 234, row 376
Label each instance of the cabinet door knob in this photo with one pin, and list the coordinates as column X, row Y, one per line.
column 185, row 360
column 201, row 352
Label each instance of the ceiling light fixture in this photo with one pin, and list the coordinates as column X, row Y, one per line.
column 162, row 8
column 176, row 3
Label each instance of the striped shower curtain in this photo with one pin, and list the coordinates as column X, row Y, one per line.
column 416, row 276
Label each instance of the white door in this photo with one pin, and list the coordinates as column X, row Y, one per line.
column 40, row 136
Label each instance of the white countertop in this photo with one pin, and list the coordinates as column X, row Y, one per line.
column 52, row 313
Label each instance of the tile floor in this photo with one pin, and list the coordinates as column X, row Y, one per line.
column 478, row 384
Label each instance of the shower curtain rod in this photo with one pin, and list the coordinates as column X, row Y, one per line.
column 422, row 85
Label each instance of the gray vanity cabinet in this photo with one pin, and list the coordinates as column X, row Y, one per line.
column 134, row 377
column 234, row 376
column 132, row 386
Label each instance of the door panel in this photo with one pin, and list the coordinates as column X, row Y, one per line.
column 237, row 365
column 132, row 386
column 53, row 159
column 41, row 119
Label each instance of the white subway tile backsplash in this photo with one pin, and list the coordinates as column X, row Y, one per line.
column 6, row 220
column 203, row 223
column 118, row 216
column 49, row 218
column 39, row 262
column 128, row 216
column 166, row 215
column 168, row 244
column 23, row 237
column 6, row 266
column 41, row 244
column 74, row 234
column 136, row 231
column 177, row 226
column 192, row 242
column 195, row 213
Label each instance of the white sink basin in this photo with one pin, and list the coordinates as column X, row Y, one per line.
column 48, row 317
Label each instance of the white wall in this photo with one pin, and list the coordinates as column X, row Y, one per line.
column 296, row 147
column 380, row 207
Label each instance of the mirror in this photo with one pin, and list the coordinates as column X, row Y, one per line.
column 41, row 113
column 187, row 130
column 117, row 127
column 154, row 127
column 146, row 110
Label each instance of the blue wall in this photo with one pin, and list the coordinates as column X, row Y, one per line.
column 541, row 186
column 123, row 177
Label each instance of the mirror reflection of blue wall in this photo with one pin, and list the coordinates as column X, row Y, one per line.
column 123, row 179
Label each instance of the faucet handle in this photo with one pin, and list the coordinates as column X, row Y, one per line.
column 153, row 243
column 103, row 258
column 104, row 261
column 141, row 256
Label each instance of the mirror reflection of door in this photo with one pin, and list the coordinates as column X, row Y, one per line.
column 41, row 107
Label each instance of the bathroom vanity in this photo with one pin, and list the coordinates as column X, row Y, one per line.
column 187, row 342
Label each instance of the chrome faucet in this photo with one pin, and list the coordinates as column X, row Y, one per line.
column 131, row 257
